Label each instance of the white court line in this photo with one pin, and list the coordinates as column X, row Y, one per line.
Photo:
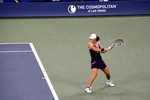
column 15, row 51
column 18, row 51
column 44, row 72
column 14, row 43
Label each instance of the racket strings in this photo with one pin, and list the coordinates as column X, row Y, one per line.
column 117, row 42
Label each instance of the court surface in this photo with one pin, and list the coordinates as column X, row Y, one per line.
column 22, row 75
column 61, row 44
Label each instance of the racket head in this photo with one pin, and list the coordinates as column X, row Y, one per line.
column 117, row 42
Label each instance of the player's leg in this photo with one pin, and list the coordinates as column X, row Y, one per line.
column 108, row 76
column 91, row 80
column 107, row 73
column 92, row 77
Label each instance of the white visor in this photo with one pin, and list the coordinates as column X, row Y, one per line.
column 92, row 36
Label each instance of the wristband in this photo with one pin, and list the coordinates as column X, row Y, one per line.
column 102, row 49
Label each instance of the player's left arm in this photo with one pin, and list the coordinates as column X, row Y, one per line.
column 105, row 49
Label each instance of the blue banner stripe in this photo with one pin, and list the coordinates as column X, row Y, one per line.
column 50, row 9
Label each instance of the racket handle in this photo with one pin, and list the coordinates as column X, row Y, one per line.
column 108, row 48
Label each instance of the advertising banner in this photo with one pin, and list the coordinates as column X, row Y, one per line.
column 58, row 9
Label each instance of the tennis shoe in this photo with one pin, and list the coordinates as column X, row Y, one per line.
column 110, row 83
column 88, row 89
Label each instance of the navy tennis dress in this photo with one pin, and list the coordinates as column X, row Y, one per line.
column 96, row 60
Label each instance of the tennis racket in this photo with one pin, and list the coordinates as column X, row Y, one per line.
column 117, row 42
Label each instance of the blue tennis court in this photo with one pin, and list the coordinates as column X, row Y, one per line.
column 23, row 76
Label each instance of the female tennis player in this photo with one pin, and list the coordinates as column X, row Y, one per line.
column 95, row 49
